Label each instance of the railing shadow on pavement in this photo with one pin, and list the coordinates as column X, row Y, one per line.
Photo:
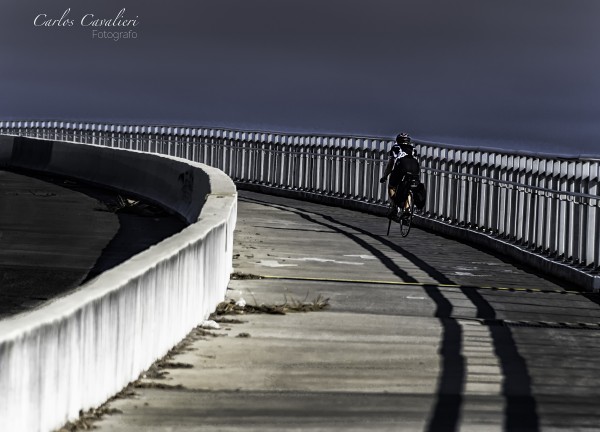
column 520, row 408
column 521, row 411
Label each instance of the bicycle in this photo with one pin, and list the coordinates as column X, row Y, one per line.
column 403, row 214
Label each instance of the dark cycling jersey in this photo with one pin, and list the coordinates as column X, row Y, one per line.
column 404, row 165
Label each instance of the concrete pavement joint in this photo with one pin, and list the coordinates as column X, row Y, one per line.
column 382, row 282
column 536, row 324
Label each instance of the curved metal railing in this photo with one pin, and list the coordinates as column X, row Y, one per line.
column 546, row 205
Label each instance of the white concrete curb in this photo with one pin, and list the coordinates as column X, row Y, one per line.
column 79, row 350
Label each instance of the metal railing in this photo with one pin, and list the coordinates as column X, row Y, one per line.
column 548, row 206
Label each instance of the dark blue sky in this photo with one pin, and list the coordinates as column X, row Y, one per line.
column 518, row 74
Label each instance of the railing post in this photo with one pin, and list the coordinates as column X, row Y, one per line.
column 593, row 223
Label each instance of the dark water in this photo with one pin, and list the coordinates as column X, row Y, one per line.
column 512, row 74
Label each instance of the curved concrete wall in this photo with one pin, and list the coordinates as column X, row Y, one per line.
column 79, row 350
column 173, row 183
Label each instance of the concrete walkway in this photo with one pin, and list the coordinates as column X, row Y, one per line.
column 423, row 333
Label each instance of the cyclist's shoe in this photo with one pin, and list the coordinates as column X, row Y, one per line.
column 391, row 212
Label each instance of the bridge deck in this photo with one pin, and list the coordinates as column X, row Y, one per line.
column 423, row 333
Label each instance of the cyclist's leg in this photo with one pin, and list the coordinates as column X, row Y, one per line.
column 402, row 196
column 393, row 187
column 391, row 193
column 408, row 202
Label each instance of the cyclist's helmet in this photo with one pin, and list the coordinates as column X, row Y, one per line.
column 403, row 138
column 405, row 143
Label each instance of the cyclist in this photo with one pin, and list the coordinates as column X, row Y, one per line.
column 401, row 166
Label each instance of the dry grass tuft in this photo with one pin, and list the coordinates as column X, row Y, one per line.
column 223, row 320
column 128, row 205
column 86, row 419
column 231, row 308
column 243, row 276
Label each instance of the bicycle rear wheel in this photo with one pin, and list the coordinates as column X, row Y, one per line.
column 406, row 218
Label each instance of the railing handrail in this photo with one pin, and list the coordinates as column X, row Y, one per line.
column 516, row 184
column 198, row 140
column 324, row 135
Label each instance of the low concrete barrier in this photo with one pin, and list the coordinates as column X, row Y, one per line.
column 80, row 349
